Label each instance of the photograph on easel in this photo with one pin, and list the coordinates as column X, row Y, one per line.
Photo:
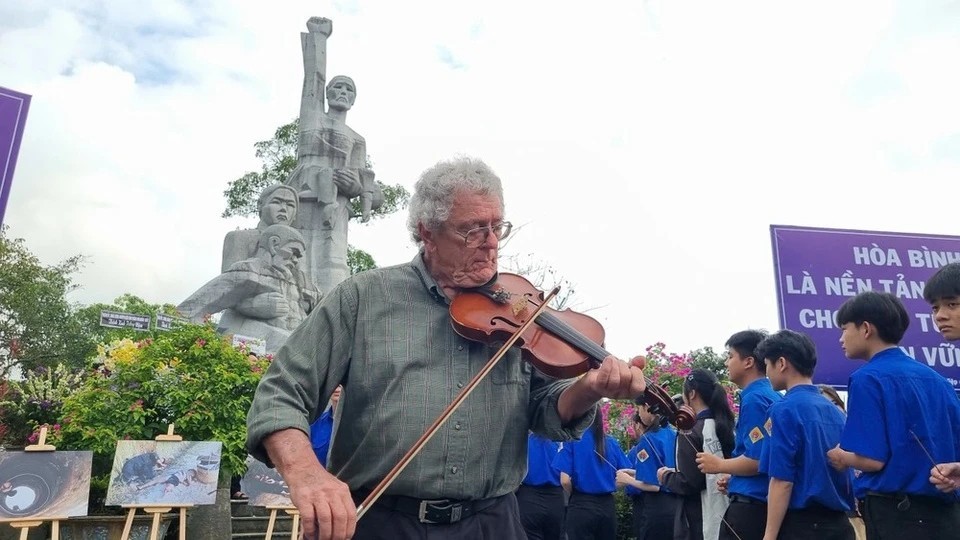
column 264, row 486
column 39, row 485
column 164, row 473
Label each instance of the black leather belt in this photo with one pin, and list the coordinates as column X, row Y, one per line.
column 905, row 500
column 737, row 498
column 433, row 510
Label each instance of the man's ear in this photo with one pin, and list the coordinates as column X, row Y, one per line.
column 750, row 362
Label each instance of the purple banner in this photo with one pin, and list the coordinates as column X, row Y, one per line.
column 819, row 269
column 13, row 116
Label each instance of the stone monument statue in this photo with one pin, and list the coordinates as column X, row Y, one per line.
column 331, row 163
column 277, row 204
column 264, row 296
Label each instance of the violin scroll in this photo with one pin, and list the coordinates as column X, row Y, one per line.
column 659, row 402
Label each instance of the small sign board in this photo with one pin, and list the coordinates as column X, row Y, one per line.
column 167, row 322
column 116, row 319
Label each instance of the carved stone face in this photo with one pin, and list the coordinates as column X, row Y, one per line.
column 288, row 255
column 341, row 94
column 280, row 208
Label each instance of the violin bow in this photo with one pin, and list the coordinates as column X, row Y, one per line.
column 448, row 412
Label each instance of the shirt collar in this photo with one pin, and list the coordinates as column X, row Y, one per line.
column 800, row 388
column 756, row 385
column 888, row 354
column 429, row 284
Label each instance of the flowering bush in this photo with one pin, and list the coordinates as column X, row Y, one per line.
column 190, row 377
column 36, row 401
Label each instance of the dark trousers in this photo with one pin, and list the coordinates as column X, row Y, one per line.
column 913, row 517
column 541, row 511
column 746, row 517
column 639, row 520
column 591, row 517
column 659, row 513
column 817, row 524
column 500, row 521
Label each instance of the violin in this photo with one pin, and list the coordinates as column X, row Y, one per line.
column 559, row 343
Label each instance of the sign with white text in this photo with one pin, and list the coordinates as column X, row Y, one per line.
column 13, row 116
column 167, row 322
column 817, row 270
column 115, row 319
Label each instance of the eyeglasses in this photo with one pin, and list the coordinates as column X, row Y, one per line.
column 476, row 237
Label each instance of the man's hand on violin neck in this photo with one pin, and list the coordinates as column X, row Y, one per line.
column 616, row 379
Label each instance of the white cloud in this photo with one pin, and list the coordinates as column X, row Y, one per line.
column 647, row 145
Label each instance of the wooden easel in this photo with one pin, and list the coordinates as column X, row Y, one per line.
column 155, row 511
column 290, row 510
column 27, row 524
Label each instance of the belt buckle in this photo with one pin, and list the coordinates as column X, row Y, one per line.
column 453, row 510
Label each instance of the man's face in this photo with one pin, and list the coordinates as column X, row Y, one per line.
column 455, row 264
column 340, row 95
column 736, row 366
column 946, row 315
column 853, row 341
column 281, row 208
column 775, row 374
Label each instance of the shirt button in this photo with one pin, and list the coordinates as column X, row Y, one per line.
column 459, row 347
column 457, row 426
column 459, row 385
column 454, row 469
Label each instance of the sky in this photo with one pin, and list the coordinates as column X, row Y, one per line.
column 645, row 146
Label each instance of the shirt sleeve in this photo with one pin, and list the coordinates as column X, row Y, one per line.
column 619, row 459
column 687, row 479
column 865, row 432
column 781, row 453
column 306, row 370
column 543, row 413
column 563, row 461
column 752, row 417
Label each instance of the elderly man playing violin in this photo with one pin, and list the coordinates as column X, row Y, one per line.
column 386, row 336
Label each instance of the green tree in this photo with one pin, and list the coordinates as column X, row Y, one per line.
column 37, row 326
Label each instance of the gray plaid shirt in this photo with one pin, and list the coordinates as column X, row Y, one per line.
column 386, row 335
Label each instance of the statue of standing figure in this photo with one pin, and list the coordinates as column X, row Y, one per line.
column 332, row 163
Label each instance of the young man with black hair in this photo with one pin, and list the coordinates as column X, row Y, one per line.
column 942, row 292
column 901, row 415
column 807, row 499
column 746, row 517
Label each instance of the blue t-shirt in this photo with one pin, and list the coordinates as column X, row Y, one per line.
column 540, row 454
column 655, row 449
column 589, row 472
column 320, row 433
column 802, row 428
column 895, row 400
column 755, row 402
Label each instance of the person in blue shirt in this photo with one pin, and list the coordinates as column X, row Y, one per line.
column 540, row 496
column 588, row 472
column 321, row 431
column 942, row 292
column 746, row 516
column 702, row 505
column 902, row 418
column 806, row 499
column 654, row 507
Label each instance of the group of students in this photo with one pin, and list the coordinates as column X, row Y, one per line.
column 793, row 465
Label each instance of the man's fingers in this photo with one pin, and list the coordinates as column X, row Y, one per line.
column 308, row 522
column 324, row 521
